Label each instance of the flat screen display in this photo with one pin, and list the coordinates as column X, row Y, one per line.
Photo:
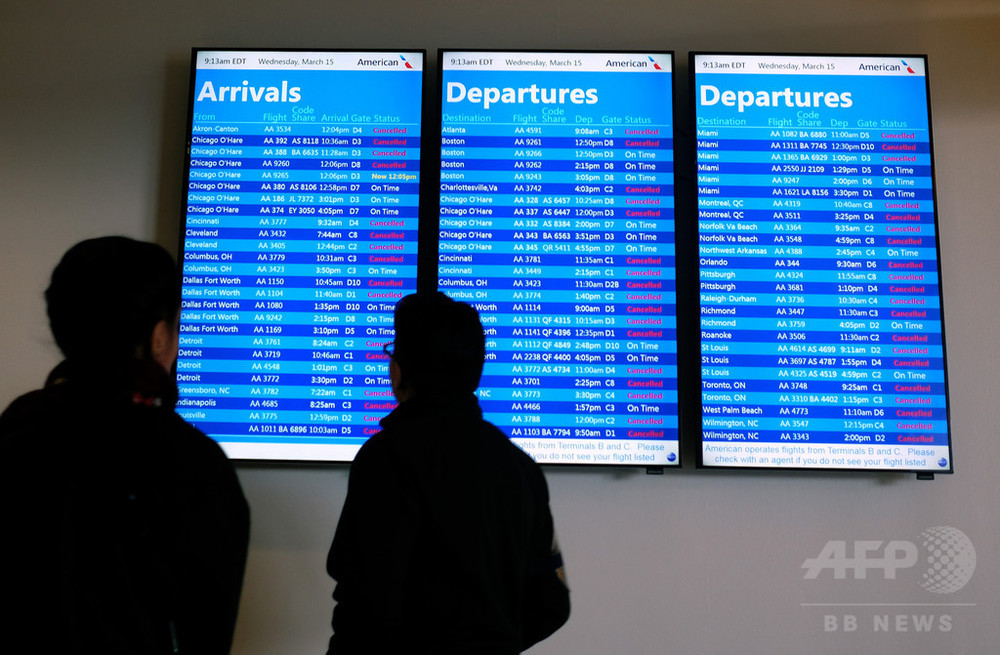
column 299, row 236
column 556, row 221
column 822, row 340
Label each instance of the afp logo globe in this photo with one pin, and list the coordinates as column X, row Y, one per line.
column 950, row 558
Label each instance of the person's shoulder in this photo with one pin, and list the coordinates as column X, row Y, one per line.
column 189, row 462
column 44, row 412
column 503, row 446
column 388, row 445
column 185, row 440
column 402, row 433
column 186, row 433
column 21, row 407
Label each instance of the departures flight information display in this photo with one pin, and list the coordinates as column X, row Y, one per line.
column 822, row 343
column 557, row 223
column 300, row 235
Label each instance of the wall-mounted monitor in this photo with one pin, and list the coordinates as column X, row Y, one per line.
column 822, row 339
column 556, row 221
column 299, row 235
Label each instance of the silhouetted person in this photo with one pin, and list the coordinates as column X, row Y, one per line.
column 445, row 543
column 124, row 528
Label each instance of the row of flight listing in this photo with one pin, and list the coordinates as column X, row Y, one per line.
column 820, row 338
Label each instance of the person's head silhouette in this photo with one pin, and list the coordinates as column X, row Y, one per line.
column 113, row 301
column 439, row 348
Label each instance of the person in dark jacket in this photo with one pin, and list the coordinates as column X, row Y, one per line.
column 125, row 528
column 446, row 542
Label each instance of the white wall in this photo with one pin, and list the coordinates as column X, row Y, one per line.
column 92, row 97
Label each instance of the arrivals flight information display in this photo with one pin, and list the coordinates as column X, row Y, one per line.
column 300, row 235
column 822, row 342
column 557, row 223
